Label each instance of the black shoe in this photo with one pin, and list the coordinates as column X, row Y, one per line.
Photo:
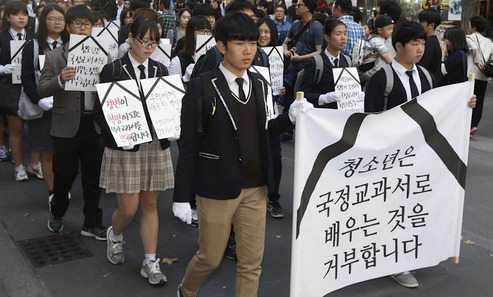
column 230, row 252
column 98, row 232
column 179, row 293
column 286, row 138
column 55, row 224
column 275, row 209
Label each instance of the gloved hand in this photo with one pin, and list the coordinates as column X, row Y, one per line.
column 7, row 69
column 129, row 146
column 175, row 137
column 361, row 97
column 46, row 103
column 188, row 72
column 329, row 98
column 183, row 211
column 301, row 105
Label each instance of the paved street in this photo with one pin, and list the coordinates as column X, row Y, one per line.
column 24, row 213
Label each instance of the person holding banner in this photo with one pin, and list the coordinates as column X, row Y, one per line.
column 228, row 165
column 76, row 137
column 14, row 23
column 409, row 81
column 136, row 173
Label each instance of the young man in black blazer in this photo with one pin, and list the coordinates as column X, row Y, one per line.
column 228, row 166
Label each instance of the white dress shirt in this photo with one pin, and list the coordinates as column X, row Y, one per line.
column 15, row 36
column 233, row 85
column 401, row 73
column 50, row 40
column 332, row 58
column 136, row 64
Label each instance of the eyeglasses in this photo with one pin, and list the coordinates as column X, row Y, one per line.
column 78, row 24
column 299, row 5
column 204, row 31
column 147, row 44
column 56, row 20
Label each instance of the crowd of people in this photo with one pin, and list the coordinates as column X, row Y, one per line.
column 229, row 167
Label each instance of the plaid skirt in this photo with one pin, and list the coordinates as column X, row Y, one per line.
column 148, row 169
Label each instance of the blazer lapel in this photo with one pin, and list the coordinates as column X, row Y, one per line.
column 65, row 51
column 126, row 64
column 259, row 89
column 221, row 86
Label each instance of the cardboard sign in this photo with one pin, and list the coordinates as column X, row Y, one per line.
column 270, row 106
column 276, row 66
column 42, row 59
column 124, row 112
column 204, row 43
column 112, row 23
column 162, row 53
column 346, row 81
column 16, row 47
column 163, row 99
column 88, row 57
column 108, row 38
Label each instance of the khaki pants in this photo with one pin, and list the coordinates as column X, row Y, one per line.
column 247, row 213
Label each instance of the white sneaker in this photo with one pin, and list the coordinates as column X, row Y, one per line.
column 406, row 279
column 20, row 173
column 114, row 251
column 4, row 153
column 152, row 272
column 34, row 169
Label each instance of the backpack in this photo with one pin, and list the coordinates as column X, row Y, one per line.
column 389, row 77
column 319, row 69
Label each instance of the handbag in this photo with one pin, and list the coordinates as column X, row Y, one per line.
column 27, row 109
column 488, row 65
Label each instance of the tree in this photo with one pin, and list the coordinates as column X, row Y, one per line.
column 469, row 9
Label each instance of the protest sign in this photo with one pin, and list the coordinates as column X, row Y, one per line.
column 276, row 66
column 378, row 194
column 163, row 99
column 162, row 53
column 108, row 38
column 42, row 59
column 88, row 57
column 16, row 47
column 270, row 106
column 112, row 23
column 203, row 44
column 124, row 112
column 346, row 82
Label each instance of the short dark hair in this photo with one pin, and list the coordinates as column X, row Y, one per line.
column 239, row 5
column 203, row 10
column 478, row 23
column 236, row 26
column 330, row 25
column 141, row 25
column 274, row 40
column 13, row 7
column 195, row 23
column 406, row 32
column 356, row 13
column 259, row 13
column 345, row 5
column 147, row 12
column 431, row 16
column 78, row 12
column 136, row 4
column 165, row 3
column 42, row 33
column 123, row 15
column 457, row 37
column 281, row 6
column 390, row 8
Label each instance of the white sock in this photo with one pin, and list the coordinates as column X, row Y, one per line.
column 150, row 258
column 115, row 238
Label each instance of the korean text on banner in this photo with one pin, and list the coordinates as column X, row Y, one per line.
column 16, row 47
column 276, row 66
column 346, row 82
column 378, row 194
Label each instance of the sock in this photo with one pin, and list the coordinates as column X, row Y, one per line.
column 150, row 258
column 50, row 192
column 115, row 238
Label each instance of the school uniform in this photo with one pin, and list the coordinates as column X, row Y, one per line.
column 146, row 167
column 227, row 168
column 401, row 91
column 313, row 91
column 454, row 68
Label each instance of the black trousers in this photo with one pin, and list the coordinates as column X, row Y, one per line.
column 275, row 145
column 84, row 148
column 480, row 91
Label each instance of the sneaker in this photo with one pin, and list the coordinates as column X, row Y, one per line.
column 275, row 209
column 20, row 173
column 4, row 153
column 114, row 251
column 35, row 170
column 179, row 292
column 55, row 224
column 473, row 131
column 406, row 279
column 195, row 217
column 152, row 272
column 99, row 232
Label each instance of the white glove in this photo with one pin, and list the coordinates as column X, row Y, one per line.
column 175, row 137
column 183, row 211
column 329, row 98
column 46, row 103
column 301, row 105
column 361, row 97
column 7, row 69
column 188, row 72
column 129, row 146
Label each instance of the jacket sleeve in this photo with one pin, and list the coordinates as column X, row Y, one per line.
column 279, row 125
column 28, row 73
column 48, row 82
column 308, row 84
column 106, row 76
column 374, row 94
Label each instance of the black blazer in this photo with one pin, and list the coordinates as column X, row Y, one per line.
column 210, row 165
column 27, row 74
column 375, row 89
column 313, row 91
column 107, row 76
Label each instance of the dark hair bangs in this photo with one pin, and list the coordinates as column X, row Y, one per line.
column 236, row 26
column 79, row 12
column 141, row 25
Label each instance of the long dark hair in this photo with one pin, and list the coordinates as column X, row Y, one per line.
column 195, row 23
column 274, row 40
column 11, row 8
column 180, row 13
column 457, row 37
column 123, row 15
column 43, row 30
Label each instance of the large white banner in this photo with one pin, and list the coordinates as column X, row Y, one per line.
column 377, row 194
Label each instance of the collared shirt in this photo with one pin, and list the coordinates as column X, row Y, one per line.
column 332, row 58
column 50, row 40
column 15, row 36
column 135, row 66
column 231, row 80
column 354, row 32
column 119, row 11
column 401, row 73
column 284, row 26
column 167, row 20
